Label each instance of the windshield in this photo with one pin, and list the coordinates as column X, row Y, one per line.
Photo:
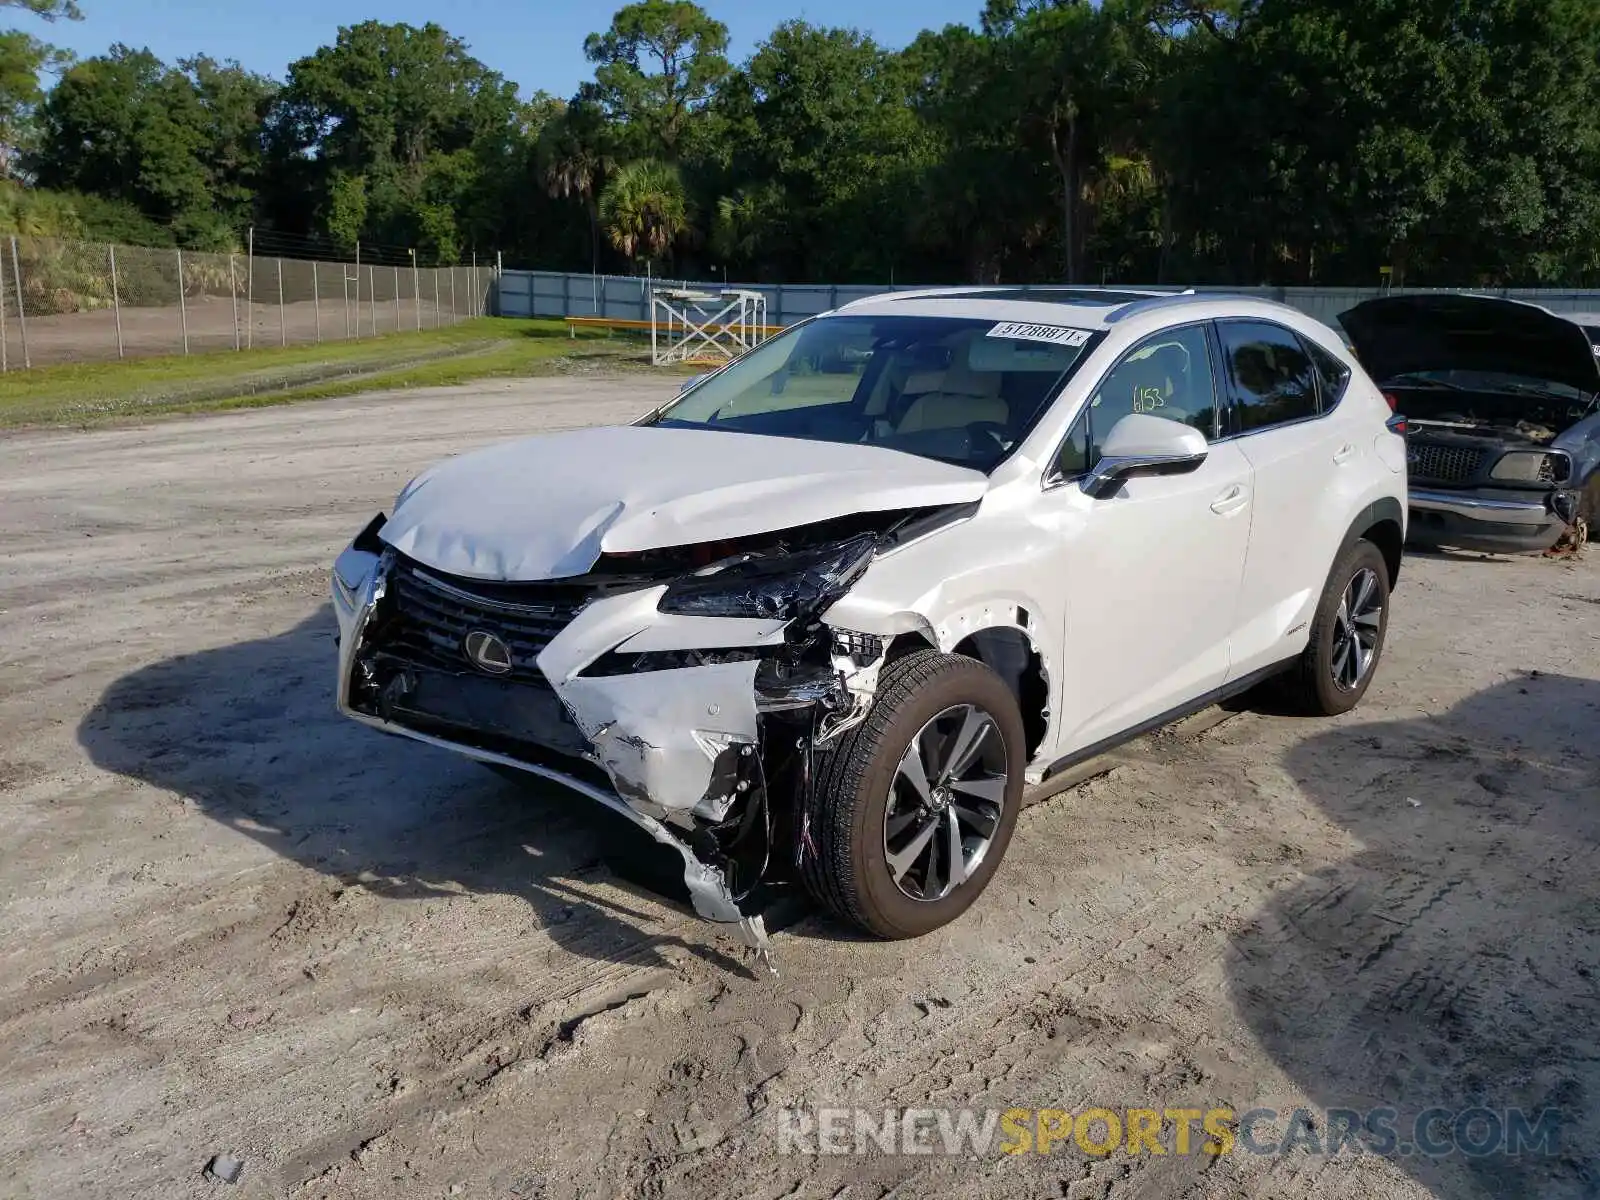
column 954, row 389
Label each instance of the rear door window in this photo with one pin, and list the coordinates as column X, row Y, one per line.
column 1272, row 379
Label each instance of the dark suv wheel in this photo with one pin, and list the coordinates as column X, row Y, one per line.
column 915, row 806
column 1347, row 634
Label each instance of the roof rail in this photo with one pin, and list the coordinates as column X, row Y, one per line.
column 1186, row 297
column 1044, row 293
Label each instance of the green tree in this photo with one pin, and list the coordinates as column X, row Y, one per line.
column 23, row 58
column 410, row 110
column 179, row 144
column 644, row 210
column 50, row 10
column 573, row 161
column 346, row 214
column 656, row 68
column 825, row 154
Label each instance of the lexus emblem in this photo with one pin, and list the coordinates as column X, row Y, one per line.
column 487, row 652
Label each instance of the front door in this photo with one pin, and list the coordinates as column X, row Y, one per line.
column 1152, row 573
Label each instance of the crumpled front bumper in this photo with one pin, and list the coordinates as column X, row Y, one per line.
column 665, row 739
column 1492, row 520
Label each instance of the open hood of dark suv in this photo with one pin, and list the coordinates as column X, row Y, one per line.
column 1396, row 335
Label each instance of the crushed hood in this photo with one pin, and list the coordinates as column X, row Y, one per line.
column 548, row 507
column 1395, row 335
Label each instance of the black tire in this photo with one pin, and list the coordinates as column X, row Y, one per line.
column 1320, row 684
column 846, row 866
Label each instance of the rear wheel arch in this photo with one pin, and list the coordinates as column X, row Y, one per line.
column 1383, row 524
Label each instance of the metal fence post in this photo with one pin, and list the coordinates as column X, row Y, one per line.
column 316, row 301
column 358, row 290
column 250, row 290
column 397, row 299
column 283, row 329
column 183, row 304
column 416, row 291
column 436, row 297
column 22, row 313
column 5, row 365
column 452, row 293
column 372, row 296
column 116, row 300
column 344, row 280
column 233, row 294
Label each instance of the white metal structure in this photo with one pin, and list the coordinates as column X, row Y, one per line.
column 687, row 325
column 828, row 610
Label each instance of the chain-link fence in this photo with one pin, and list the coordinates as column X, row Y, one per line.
column 64, row 301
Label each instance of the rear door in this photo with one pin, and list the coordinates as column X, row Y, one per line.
column 1153, row 571
column 1308, row 462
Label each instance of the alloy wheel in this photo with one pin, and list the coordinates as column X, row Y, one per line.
column 1355, row 629
column 945, row 802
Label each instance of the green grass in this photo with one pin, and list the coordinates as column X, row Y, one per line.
column 485, row 348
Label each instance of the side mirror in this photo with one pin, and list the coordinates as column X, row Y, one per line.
column 691, row 381
column 1140, row 444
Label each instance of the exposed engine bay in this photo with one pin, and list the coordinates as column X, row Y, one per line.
column 1531, row 417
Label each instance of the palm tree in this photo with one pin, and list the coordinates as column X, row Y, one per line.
column 574, row 161
column 644, row 210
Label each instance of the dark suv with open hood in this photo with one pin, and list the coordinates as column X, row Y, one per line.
column 1502, row 401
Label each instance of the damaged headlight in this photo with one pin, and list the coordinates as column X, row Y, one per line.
column 777, row 587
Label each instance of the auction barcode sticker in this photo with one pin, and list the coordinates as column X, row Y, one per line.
column 1059, row 335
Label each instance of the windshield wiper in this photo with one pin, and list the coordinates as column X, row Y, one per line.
column 1424, row 381
column 1525, row 388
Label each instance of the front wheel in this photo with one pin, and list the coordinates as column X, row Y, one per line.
column 916, row 805
column 1347, row 634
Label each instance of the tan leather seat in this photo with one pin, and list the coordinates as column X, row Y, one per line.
column 953, row 399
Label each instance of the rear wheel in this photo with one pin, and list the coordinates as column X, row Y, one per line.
column 1347, row 635
column 916, row 805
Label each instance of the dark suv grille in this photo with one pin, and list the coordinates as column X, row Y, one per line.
column 429, row 618
column 1450, row 464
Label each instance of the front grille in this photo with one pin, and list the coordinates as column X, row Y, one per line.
column 426, row 620
column 1448, row 464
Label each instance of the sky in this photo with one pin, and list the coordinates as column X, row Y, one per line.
column 534, row 43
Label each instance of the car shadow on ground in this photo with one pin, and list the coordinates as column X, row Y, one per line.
column 1454, row 962
column 249, row 734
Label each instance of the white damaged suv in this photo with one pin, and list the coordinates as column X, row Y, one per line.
column 823, row 616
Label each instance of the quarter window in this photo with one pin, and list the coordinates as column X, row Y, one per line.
column 1168, row 375
column 1273, row 377
column 1332, row 376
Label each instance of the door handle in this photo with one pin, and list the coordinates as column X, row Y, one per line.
column 1231, row 501
column 1344, row 454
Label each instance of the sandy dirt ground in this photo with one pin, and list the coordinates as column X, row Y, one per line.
column 231, row 922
